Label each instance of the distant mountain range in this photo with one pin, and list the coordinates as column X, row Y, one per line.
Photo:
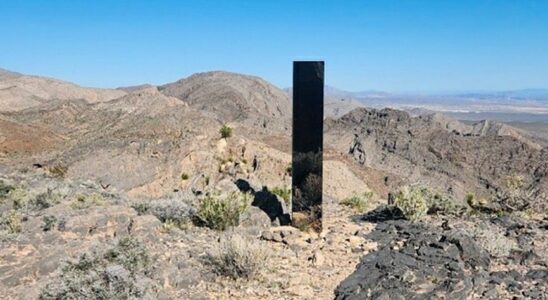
column 527, row 105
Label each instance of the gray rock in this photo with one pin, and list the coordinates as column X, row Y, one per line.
column 443, row 263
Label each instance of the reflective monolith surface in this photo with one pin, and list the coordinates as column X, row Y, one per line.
column 308, row 87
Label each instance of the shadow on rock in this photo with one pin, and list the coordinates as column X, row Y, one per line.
column 267, row 202
column 380, row 214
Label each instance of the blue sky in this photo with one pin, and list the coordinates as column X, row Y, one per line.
column 398, row 46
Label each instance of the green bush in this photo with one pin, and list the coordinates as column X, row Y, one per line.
column 238, row 257
column 185, row 176
column 415, row 201
column 225, row 131
column 283, row 192
column 442, row 204
column 20, row 197
column 358, row 202
column 222, row 211
column 514, row 196
column 412, row 202
column 11, row 222
column 83, row 201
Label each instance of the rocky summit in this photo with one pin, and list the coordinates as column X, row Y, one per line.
column 182, row 191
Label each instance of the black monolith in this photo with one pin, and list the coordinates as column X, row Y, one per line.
column 308, row 87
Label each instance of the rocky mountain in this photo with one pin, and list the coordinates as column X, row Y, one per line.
column 456, row 158
column 158, row 134
column 104, row 192
column 234, row 97
column 18, row 92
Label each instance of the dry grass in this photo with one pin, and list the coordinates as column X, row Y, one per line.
column 238, row 257
column 358, row 202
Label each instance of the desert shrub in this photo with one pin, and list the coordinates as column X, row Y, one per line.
column 130, row 253
column 46, row 199
column 412, row 202
column 141, row 208
column 238, row 257
column 358, row 202
column 415, row 201
column 479, row 204
column 11, row 221
column 222, row 211
column 20, row 197
column 172, row 210
column 225, row 131
column 283, row 192
column 493, row 241
column 58, row 171
column 514, row 196
column 5, row 189
column 117, row 273
column 168, row 226
column 49, row 222
column 83, row 201
column 185, row 176
column 443, row 204
column 514, row 182
column 307, row 196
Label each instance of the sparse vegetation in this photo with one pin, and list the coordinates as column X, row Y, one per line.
column 45, row 200
column 514, row 196
column 5, row 189
column 20, row 197
column 514, row 182
column 83, row 201
column 225, row 131
column 49, row 222
column 185, row 176
column 11, row 222
column 141, row 208
column 415, row 201
column 495, row 243
column 477, row 204
column 58, row 171
column 283, row 192
column 358, row 202
column 118, row 273
column 238, row 257
column 222, row 211
column 168, row 226
column 443, row 204
column 412, row 202
column 172, row 212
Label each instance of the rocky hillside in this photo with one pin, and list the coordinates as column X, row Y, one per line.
column 440, row 152
column 234, row 97
column 181, row 192
column 18, row 92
